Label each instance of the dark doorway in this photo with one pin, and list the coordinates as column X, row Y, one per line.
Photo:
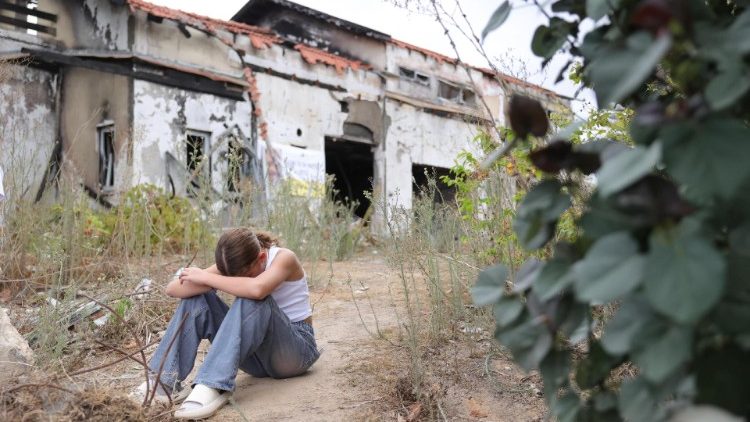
column 351, row 164
column 443, row 194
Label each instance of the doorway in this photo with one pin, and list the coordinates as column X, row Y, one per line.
column 352, row 166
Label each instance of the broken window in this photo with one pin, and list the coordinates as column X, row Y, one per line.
column 413, row 76
column 449, row 91
column 197, row 160
column 234, row 165
column 106, row 145
column 456, row 94
column 25, row 15
column 469, row 97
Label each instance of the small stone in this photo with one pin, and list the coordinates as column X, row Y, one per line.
column 16, row 357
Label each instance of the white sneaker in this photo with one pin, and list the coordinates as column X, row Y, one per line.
column 202, row 402
column 178, row 394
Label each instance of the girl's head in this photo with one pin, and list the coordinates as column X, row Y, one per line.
column 242, row 252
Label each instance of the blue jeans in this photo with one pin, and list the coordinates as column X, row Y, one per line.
column 253, row 335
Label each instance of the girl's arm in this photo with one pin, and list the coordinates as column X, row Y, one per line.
column 283, row 267
column 182, row 290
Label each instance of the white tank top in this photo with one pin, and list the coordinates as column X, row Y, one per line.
column 293, row 297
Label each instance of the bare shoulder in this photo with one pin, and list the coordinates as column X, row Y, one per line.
column 288, row 259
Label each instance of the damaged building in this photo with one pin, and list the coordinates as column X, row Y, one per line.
column 122, row 92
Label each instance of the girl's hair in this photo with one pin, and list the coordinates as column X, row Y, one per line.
column 238, row 248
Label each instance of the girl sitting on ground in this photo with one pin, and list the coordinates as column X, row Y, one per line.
column 267, row 332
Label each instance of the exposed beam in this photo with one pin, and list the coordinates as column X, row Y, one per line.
column 28, row 25
column 26, row 11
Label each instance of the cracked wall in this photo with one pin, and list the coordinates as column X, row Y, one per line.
column 28, row 127
column 163, row 115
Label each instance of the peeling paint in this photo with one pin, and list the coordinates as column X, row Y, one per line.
column 28, row 127
column 161, row 117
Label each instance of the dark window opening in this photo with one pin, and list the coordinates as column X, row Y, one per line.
column 456, row 94
column 344, row 106
column 413, row 76
column 405, row 73
column 469, row 97
column 448, row 91
column 299, row 132
column 234, row 165
column 106, row 146
column 421, row 177
column 352, row 166
column 198, row 164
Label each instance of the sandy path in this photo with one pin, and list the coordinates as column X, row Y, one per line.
column 324, row 393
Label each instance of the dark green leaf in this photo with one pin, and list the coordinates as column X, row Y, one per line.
column 596, row 367
column 728, row 87
column 548, row 39
column 566, row 408
column 636, row 401
column 527, row 275
column 497, row 19
column 660, row 358
column 622, row 331
column 706, row 162
column 722, row 379
column 626, row 168
column 740, row 32
column 555, row 369
column 684, row 275
column 596, row 9
column 507, row 310
column 538, row 213
column 529, row 341
column 617, row 72
column 553, row 279
column 611, row 268
column 490, row 285
column 527, row 116
column 572, row 320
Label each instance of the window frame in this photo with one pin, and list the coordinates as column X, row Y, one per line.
column 194, row 185
column 106, row 167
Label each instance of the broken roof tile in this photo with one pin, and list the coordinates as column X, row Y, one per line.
column 440, row 58
column 313, row 55
column 260, row 38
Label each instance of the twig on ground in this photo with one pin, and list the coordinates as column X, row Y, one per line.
column 135, row 337
column 48, row 385
column 114, row 362
column 161, row 364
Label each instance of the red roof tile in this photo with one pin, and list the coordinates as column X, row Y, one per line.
column 260, row 38
column 313, row 55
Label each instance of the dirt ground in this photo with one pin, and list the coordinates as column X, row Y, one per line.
column 365, row 376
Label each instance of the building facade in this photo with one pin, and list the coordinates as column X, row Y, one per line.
column 117, row 93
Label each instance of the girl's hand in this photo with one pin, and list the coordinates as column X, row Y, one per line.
column 194, row 275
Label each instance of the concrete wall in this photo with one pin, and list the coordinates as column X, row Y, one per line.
column 28, row 127
column 90, row 98
column 417, row 137
column 89, row 24
column 166, row 41
column 163, row 115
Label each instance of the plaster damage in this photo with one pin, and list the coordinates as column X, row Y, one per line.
column 28, row 127
column 161, row 118
column 281, row 78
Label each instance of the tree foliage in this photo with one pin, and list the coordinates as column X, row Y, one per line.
column 664, row 239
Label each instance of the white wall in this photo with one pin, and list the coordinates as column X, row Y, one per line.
column 417, row 137
column 28, row 127
column 161, row 116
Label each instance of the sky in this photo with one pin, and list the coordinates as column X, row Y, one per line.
column 508, row 47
